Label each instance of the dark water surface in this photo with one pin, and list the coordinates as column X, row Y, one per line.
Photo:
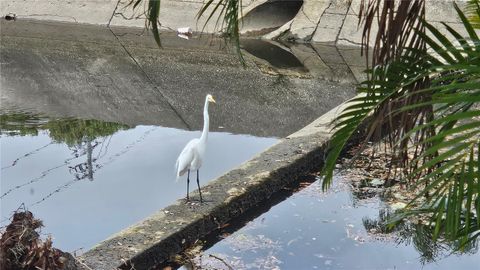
column 333, row 230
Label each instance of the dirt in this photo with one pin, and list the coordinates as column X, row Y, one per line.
column 372, row 173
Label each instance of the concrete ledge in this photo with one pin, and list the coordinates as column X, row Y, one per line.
column 177, row 226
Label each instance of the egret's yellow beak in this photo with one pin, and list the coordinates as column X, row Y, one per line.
column 212, row 100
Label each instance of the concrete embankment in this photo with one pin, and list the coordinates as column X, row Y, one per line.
column 88, row 72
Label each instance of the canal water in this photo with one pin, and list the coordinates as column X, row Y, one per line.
column 87, row 179
column 338, row 229
column 91, row 123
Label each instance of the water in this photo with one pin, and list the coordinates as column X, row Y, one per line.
column 333, row 230
column 89, row 179
column 92, row 123
column 89, row 139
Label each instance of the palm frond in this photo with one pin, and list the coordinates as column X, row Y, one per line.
column 449, row 169
column 429, row 101
column 384, row 84
column 229, row 12
column 153, row 14
column 396, row 26
column 472, row 10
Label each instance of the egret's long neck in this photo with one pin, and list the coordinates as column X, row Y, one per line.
column 205, row 122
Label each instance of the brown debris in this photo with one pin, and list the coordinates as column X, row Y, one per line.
column 22, row 248
column 371, row 172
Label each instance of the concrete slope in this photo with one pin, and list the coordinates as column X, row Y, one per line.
column 86, row 71
column 77, row 71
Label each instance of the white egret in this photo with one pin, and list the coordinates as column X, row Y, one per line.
column 191, row 157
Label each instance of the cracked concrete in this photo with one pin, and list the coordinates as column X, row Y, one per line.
column 331, row 21
column 307, row 20
column 436, row 12
column 120, row 75
column 336, row 21
column 113, row 13
column 97, row 12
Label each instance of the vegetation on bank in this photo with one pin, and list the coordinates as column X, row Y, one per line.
column 422, row 97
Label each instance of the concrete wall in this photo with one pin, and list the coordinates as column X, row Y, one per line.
column 173, row 13
column 336, row 21
column 332, row 21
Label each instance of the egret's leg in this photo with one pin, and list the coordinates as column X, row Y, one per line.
column 188, row 183
column 199, row 190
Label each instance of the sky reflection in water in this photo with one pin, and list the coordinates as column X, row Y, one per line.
column 131, row 176
column 316, row 230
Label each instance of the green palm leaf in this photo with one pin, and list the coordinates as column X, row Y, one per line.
column 432, row 97
column 473, row 12
column 226, row 11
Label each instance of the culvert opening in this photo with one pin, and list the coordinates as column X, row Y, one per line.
column 269, row 16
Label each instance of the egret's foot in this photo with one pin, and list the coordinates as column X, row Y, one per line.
column 197, row 201
column 204, row 201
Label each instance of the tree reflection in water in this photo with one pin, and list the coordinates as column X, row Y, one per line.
column 418, row 233
column 82, row 137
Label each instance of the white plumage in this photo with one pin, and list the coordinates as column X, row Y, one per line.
column 191, row 157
